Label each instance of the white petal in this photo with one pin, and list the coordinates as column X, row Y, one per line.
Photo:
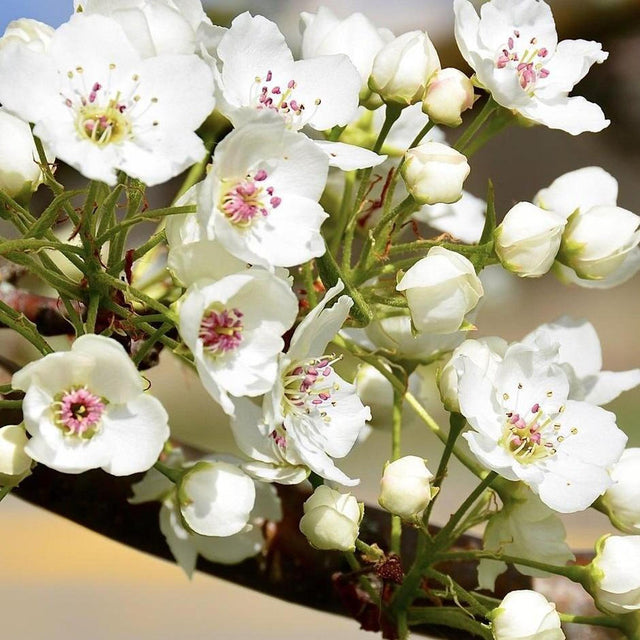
column 349, row 157
column 180, row 542
column 575, row 115
column 608, row 385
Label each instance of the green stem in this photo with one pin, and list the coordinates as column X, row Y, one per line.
column 489, row 108
column 308, row 279
column 460, row 592
column 152, row 242
column 451, row 617
column 343, row 214
column 10, row 404
column 150, row 341
column 5, row 491
column 172, row 474
column 598, row 621
column 92, row 312
column 456, row 425
column 396, row 436
column 19, row 323
column 368, row 550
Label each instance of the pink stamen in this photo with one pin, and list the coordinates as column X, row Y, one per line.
column 79, row 412
column 221, row 331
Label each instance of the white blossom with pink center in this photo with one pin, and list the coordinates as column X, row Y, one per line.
column 524, row 427
column 260, row 199
column 514, row 50
column 100, row 107
column 312, row 415
column 233, row 327
column 86, row 408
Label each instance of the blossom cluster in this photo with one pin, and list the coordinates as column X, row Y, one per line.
column 290, row 274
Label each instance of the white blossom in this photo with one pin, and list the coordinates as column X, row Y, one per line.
column 34, row 34
column 331, row 519
column 434, row 172
column 14, row 461
column 312, row 415
column 528, row 239
column 622, row 499
column 441, row 289
column 524, row 427
column 525, row 528
column 526, row 615
column 514, row 50
column 615, row 574
column 233, row 327
column 260, row 199
column 100, row 107
column 86, row 408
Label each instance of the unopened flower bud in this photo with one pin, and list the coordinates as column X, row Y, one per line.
column 441, row 289
column 405, row 488
column 622, row 499
column 403, row 67
column 615, row 574
column 528, row 239
column 331, row 519
column 526, row 614
column 14, row 462
column 36, row 35
column 434, row 172
column 448, row 94
column 596, row 241
column 20, row 172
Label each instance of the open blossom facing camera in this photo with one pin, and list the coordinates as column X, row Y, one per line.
column 86, row 408
column 312, row 415
column 233, row 327
column 524, row 427
column 101, row 108
column 260, row 199
column 513, row 48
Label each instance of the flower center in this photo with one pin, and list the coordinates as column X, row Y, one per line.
column 221, row 330
column 308, row 386
column 102, row 115
column 268, row 93
column 249, row 199
column 526, row 59
column 78, row 412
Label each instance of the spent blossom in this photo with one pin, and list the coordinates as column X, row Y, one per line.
column 514, row 50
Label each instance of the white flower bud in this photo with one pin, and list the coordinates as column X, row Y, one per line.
column 622, row 499
column 434, row 172
column 526, row 615
column 449, row 93
column 528, row 239
column 405, row 488
column 36, row 35
column 331, row 519
column 596, row 241
column 216, row 498
column 403, row 67
column 615, row 574
column 14, row 462
column 356, row 37
column 441, row 289
column 485, row 353
column 19, row 169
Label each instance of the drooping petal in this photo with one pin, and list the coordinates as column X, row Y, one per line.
column 575, row 114
column 349, row 157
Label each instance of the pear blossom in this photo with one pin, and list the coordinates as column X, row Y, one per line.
column 260, row 199
column 331, row 519
column 405, row 488
column 256, row 72
column 525, row 528
column 355, row 36
column 86, row 408
column 192, row 255
column 526, row 615
column 514, row 50
column 101, row 108
column 448, row 94
column 441, row 289
column 580, row 355
column 14, row 461
column 157, row 27
column 34, row 34
column 615, row 574
column 525, row 427
column 434, row 172
column 403, row 67
column 184, row 543
column 233, row 327
column 311, row 415
column 528, row 239
column 20, row 172
column 622, row 499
